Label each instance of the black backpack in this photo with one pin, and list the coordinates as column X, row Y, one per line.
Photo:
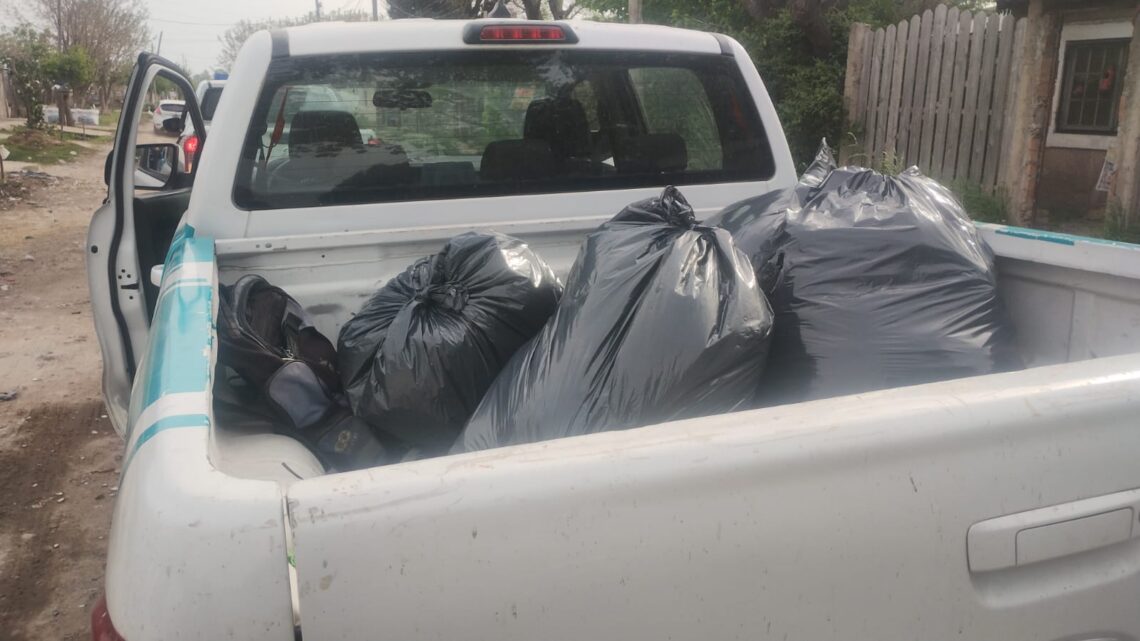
column 267, row 338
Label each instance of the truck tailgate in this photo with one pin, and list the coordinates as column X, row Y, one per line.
column 845, row 518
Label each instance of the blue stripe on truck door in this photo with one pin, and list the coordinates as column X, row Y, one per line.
column 178, row 357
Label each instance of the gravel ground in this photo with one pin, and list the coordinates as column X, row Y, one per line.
column 59, row 456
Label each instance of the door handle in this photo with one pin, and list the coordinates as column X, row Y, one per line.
column 1053, row 532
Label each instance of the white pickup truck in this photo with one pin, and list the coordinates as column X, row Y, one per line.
column 998, row 507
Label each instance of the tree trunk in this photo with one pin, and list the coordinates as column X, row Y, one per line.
column 533, row 9
column 61, row 103
column 557, row 11
column 808, row 16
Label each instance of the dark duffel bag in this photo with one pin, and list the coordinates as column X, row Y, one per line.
column 268, row 339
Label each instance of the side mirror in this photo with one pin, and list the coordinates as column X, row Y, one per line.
column 155, row 165
column 172, row 125
column 107, row 168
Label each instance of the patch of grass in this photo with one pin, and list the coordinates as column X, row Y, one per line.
column 891, row 165
column 42, row 146
column 109, row 117
column 851, row 147
column 1063, row 215
column 981, row 205
column 91, row 135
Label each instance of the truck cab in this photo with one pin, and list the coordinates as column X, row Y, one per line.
column 1002, row 506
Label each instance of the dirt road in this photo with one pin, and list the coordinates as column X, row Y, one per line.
column 59, row 456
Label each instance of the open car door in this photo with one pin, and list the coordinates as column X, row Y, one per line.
column 130, row 234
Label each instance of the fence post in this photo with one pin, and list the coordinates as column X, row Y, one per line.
column 957, row 97
column 890, row 147
column 1033, row 100
column 854, row 91
column 997, row 146
column 883, row 122
column 871, row 115
column 924, row 71
column 1010, row 142
column 1125, row 190
column 933, row 83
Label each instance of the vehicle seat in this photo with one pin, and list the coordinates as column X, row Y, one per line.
column 323, row 133
column 516, row 160
column 371, row 170
column 562, row 123
column 327, row 154
column 447, row 174
column 651, row 154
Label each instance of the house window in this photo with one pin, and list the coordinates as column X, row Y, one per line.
column 1093, row 78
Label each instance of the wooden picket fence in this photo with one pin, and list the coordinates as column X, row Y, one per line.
column 935, row 91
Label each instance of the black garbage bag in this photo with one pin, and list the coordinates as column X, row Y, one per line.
column 289, row 369
column 419, row 355
column 662, row 319
column 876, row 282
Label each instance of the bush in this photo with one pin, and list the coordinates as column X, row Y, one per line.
column 1117, row 227
column 981, row 205
column 23, row 50
column 39, row 146
column 806, row 88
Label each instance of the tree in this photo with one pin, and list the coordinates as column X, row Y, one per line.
column 799, row 46
column 810, row 16
column 530, row 9
column 111, row 32
column 234, row 37
column 73, row 72
column 400, row 9
column 553, row 9
column 559, row 10
column 23, row 50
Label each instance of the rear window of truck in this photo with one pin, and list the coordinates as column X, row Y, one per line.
column 372, row 128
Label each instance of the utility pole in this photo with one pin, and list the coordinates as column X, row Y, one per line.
column 375, row 10
column 153, row 89
column 59, row 25
column 318, row 10
column 635, row 11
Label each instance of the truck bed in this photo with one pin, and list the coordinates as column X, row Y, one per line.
column 1070, row 298
column 820, row 520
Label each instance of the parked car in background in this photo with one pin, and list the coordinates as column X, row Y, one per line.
column 208, row 94
column 167, row 109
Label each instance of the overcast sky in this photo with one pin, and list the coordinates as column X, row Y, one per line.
column 190, row 28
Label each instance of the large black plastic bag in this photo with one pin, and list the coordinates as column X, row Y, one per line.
column 876, row 281
column 662, row 319
column 422, row 351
